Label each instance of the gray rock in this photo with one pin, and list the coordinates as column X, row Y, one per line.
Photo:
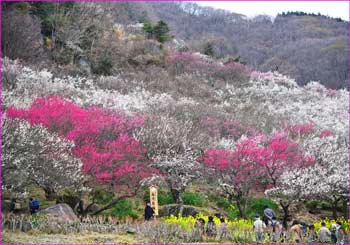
column 60, row 213
column 130, row 230
column 173, row 209
column 84, row 65
column 26, row 226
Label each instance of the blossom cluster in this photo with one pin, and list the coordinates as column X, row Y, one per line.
column 101, row 137
column 32, row 154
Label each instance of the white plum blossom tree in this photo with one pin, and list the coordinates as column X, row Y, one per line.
column 32, row 155
column 271, row 100
column 326, row 180
column 174, row 147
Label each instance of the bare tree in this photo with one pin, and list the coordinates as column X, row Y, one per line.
column 21, row 37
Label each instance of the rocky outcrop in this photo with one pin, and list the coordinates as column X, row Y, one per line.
column 60, row 213
column 173, row 209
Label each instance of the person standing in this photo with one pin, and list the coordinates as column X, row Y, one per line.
column 340, row 233
column 276, row 229
column 268, row 215
column 223, row 230
column 311, row 237
column 34, row 205
column 333, row 231
column 13, row 205
column 258, row 228
column 149, row 212
column 211, row 227
column 324, row 234
column 199, row 229
column 296, row 231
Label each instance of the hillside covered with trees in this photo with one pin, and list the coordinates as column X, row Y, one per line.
column 307, row 47
column 100, row 101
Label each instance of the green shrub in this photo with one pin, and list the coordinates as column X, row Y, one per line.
column 103, row 66
column 325, row 206
column 257, row 206
column 192, row 198
column 101, row 196
column 312, row 205
column 233, row 212
column 124, row 208
column 38, row 219
column 221, row 202
column 254, row 206
column 165, row 198
column 158, row 31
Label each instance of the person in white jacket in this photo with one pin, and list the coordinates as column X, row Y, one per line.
column 324, row 234
column 259, row 228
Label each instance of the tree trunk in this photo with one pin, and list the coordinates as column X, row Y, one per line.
column 114, row 201
column 334, row 209
column 346, row 208
column 285, row 208
column 177, row 196
column 86, row 210
column 241, row 208
column 50, row 193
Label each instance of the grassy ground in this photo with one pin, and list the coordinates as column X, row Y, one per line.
column 87, row 238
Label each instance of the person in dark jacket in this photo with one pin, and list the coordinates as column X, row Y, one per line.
column 149, row 212
column 211, row 227
column 34, row 205
column 13, row 205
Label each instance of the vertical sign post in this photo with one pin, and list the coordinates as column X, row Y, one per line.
column 153, row 192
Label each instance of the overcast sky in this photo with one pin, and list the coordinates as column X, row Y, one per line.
column 272, row 8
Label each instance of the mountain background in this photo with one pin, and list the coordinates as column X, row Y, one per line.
column 307, row 47
column 303, row 46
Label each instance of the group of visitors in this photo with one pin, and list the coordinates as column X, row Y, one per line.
column 209, row 230
column 336, row 235
column 200, row 228
column 299, row 232
column 268, row 225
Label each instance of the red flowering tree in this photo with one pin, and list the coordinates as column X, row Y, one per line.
column 236, row 171
column 102, row 141
column 280, row 154
column 258, row 161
